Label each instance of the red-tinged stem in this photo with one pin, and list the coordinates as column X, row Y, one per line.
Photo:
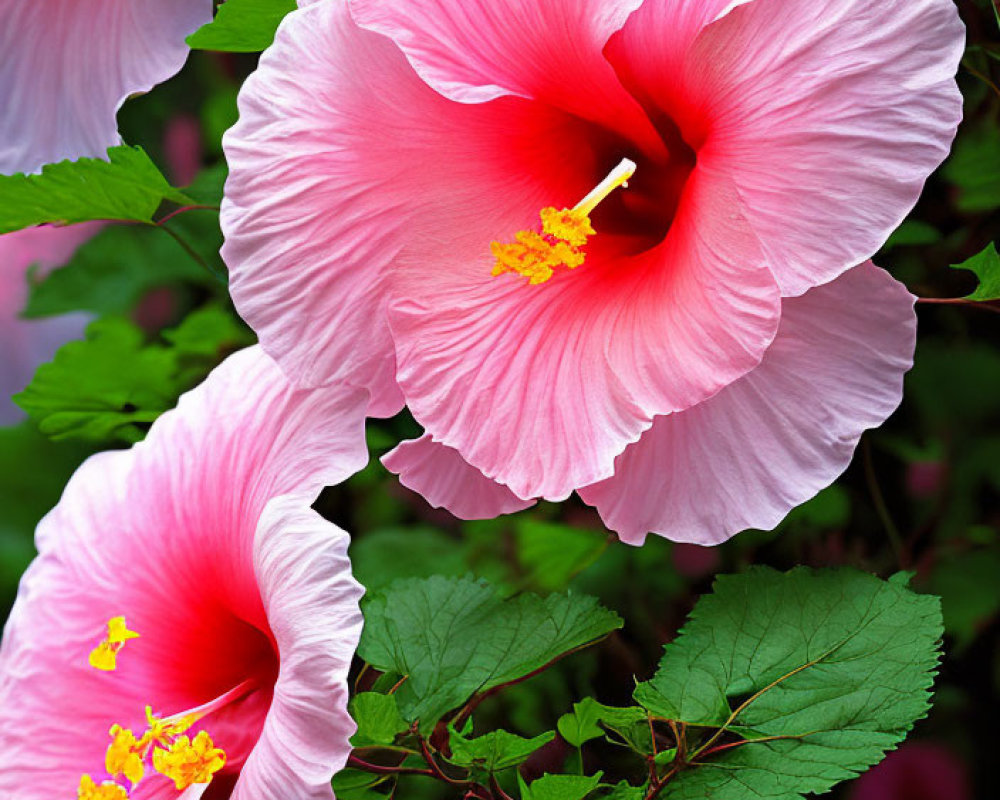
column 184, row 209
column 439, row 773
column 498, row 789
column 381, row 769
column 985, row 305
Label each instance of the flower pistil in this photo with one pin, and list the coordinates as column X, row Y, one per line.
column 536, row 255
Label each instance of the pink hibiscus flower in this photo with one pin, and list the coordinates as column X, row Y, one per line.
column 559, row 230
column 25, row 344
column 190, row 621
column 68, row 65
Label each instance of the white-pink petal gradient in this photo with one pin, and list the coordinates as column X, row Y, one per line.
column 190, row 535
column 473, row 51
column 68, row 65
column 24, row 344
column 778, row 436
column 828, row 116
column 445, row 480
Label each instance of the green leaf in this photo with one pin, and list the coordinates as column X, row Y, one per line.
column 552, row 554
column 113, row 271
column 625, row 791
column 974, row 167
column 101, row 388
column 986, row 266
column 454, row 638
column 378, row 719
column 242, row 26
column 355, row 784
column 203, row 339
column 113, row 384
column 496, row 751
column 376, row 562
column 127, row 187
column 559, row 787
column 581, row 725
column 913, row 233
column 813, row 674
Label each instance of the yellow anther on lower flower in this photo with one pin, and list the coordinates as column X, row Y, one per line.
column 106, row 791
column 188, row 762
column 125, row 754
column 564, row 231
column 105, row 656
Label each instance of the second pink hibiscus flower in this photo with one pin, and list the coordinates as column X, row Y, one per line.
column 412, row 207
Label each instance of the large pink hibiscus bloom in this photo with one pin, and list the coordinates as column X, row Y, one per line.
column 68, row 65
column 393, row 160
column 247, row 616
column 24, row 344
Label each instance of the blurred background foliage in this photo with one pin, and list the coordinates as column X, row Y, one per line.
column 923, row 493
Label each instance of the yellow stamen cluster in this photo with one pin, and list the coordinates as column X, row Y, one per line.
column 188, row 762
column 106, row 791
column 536, row 255
column 179, row 758
column 125, row 755
column 105, row 656
column 163, row 744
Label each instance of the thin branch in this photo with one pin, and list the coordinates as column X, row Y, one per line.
column 475, row 700
column 732, row 745
column 895, row 539
column 983, row 77
column 188, row 249
column 436, row 769
column 983, row 305
column 381, row 769
column 498, row 789
column 185, row 209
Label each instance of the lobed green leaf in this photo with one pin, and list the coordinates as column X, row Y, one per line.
column 127, row 187
column 812, row 677
column 986, row 266
column 496, row 751
column 242, row 26
column 454, row 638
column 378, row 719
column 114, row 384
column 559, row 787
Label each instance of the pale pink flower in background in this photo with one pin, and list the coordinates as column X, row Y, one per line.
column 24, row 344
column 702, row 360
column 68, row 65
column 203, row 539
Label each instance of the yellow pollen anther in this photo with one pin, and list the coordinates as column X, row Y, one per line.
column 105, row 656
column 188, row 762
column 106, row 791
column 564, row 231
column 125, row 754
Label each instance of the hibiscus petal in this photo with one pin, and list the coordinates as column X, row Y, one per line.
column 312, row 608
column 165, row 535
column 446, row 480
column 830, row 116
column 771, row 441
column 473, row 51
column 348, row 161
column 69, row 65
column 541, row 387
